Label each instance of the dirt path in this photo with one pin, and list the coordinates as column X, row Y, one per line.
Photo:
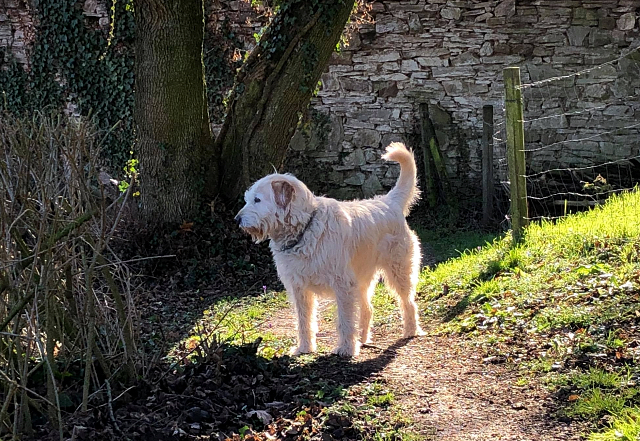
column 446, row 388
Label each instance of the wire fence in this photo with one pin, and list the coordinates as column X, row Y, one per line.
column 581, row 134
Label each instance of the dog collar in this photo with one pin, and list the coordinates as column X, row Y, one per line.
column 293, row 243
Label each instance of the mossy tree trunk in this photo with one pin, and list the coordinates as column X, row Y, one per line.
column 174, row 136
column 274, row 87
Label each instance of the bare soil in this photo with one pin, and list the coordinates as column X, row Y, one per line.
column 447, row 388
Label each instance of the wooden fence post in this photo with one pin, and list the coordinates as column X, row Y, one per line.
column 429, row 170
column 487, row 165
column 515, row 150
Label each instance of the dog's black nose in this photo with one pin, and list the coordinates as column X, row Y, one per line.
column 238, row 220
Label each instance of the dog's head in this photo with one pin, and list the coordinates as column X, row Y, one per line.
column 275, row 206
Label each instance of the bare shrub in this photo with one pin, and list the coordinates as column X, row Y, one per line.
column 67, row 319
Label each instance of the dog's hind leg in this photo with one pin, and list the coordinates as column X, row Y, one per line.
column 305, row 306
column 346, row 298
column 366, row 310
column 402, row 268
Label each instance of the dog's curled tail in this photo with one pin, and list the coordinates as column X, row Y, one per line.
column 405, row 191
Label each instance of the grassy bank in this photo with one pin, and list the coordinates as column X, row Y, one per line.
column 562, row 307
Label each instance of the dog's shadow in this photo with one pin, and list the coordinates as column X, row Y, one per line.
column 350, row 371
column 321, row 382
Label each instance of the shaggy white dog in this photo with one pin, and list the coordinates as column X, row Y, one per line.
column 324, row 247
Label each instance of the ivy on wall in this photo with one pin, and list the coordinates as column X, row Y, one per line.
column 74, row 61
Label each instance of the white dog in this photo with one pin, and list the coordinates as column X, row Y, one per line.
column 324, row 247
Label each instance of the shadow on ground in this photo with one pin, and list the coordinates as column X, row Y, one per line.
column 231, row 390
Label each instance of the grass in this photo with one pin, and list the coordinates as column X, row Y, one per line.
column 624, row 427
column 562, row 305
column 447, row 244
column 235, row 321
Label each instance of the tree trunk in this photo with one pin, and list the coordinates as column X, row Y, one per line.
column 274, row 87
column 174, row 136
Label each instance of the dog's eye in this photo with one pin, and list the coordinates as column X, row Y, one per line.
column 256, row 200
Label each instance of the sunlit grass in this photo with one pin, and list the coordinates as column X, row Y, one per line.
column 624, row 427
column 571, row 288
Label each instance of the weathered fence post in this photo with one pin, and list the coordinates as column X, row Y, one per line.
column 427, row 134
column 487, row 164
column 515, row 150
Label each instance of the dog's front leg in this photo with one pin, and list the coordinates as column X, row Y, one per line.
column 305, row 305
column 348, row 345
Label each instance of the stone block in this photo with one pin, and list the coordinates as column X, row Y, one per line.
column 608, row 23
column 389, row 91
column 410, row 66
column 388, row 138
column 336, row 134
column 451, row 13
column 371, row 186
column 414, row 24
column 618, row 110
column 550, row 122
column 356, row 179
column 433, row 61
column 365, row 138
column 599, row 91
column 577, row 35
column 584, row 17
column 483, row 17
column 626, row 22
column 373, row 114
column 505, row 60
column 355, row 84
column 465, row 59
column 389, row 77
column 393, row 66
column 355, row 159
column 453, row 88
column 600, row 37
column 389, row 23
column 329, row 82
column 453, row 72
column 506, row 8
column 486, row 49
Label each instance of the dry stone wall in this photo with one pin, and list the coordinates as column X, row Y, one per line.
column 16, row 30
column 450, row 54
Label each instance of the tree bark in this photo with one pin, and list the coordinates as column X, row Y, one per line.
column 173, row 131
column 274, row 87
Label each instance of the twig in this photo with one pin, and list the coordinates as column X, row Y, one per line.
column 111, row 415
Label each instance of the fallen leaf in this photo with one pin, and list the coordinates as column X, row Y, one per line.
column 574, row 397
column 262, row 415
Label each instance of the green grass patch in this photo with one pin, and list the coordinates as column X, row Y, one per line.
column 235, row 321
column 561, row 304
column 624, row 427
column 447, row 245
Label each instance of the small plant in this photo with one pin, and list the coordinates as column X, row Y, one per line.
column 595, row 403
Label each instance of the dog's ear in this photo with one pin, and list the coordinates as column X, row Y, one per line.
column 283, row 193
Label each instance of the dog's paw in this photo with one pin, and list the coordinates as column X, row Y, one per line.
column 347, row 350
column 417, row 332
column 299, row 350
column 366, row 339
